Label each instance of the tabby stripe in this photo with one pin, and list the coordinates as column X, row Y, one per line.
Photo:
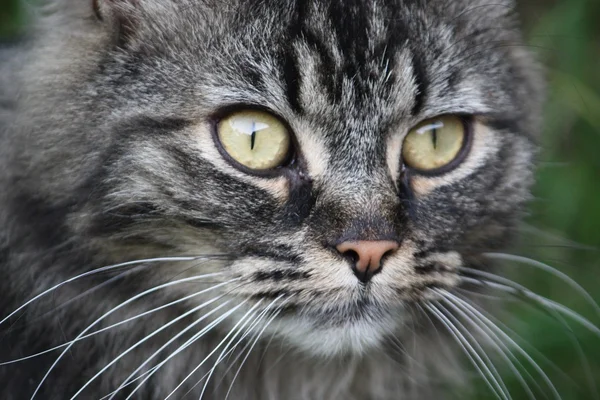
column 422, row 83
column 280, row 275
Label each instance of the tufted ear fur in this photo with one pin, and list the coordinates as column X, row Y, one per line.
column 121, row 16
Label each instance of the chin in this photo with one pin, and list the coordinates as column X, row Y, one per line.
column 346, row 334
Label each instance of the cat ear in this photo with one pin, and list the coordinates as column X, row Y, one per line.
column 121, row 15
column 107, row 9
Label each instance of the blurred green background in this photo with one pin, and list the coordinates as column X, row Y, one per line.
column 564, row 227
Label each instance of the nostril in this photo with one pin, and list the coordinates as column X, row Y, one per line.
column 366, row 256
column 351, row 255
column 389, row 252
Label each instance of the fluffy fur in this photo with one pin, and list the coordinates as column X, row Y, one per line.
column 107, row 156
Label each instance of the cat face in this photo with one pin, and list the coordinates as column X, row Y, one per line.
column 353, row 97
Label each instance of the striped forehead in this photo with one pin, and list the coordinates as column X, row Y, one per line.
column 353, row 77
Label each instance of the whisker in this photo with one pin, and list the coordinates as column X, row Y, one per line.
column 96, row 271
column 258, row 320
column 147, row 337
column 551, row 236
column 275, row 314
column 70, row 301
column 573, row 338
column 505, row 328
column 475, row 343
column 493, row 339
column 248, row 323
column 120, row 323
column 184, row 346
column 194, row 278
column 513, row 288
column 216, row 348
column 482, row 318
column 127, row 381
column 469, row 352
column 545, row 267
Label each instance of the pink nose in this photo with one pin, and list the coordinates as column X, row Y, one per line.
column 367, row 254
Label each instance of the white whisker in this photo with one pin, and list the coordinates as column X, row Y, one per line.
column 194, row 278
column 469, row 352
column 215, row 349
column 184, row 346
column 250, row 351
column 147, row 337
column 505, row 328
column 95, row 271
column 545, row 267
column 519, row 290
column 227, row 349
column 477, row 346
column 507, row 338
column 129, row 379
column 251, row 326
column 493, row 339
column 119, row 323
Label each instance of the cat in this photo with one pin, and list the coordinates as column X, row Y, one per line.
column 258, row 199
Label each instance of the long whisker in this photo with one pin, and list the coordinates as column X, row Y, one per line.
column 96, row 271
column 130, row 380
column 275, row 314
column 147, row 337
column 499, row 331
column 493, row 339
column 230, row 351
column 215, row 349
column 505, row 328
column 574, row 340
column 545, row 267
column 190, row 279
column 260, row 317
column 184, row 346
column 475, row 343
column 119, row 323
column 79, row 296
column 249, row 322
column 469, row 352
column 511, row 287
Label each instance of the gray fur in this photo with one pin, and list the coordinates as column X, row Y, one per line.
column 106, row 156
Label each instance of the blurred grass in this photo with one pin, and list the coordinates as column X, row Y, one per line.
column 566, row 213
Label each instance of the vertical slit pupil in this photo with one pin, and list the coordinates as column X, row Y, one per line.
column 253, row 136
column 434, row 138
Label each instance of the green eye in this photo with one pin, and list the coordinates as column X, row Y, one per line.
column 255, row 139
column 434, row 143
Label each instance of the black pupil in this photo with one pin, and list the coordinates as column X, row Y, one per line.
column 434, row 138
column 252, row 137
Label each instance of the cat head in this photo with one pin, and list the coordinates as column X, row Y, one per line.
column 346, row 158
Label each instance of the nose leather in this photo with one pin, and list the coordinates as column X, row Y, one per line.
column 368, row 255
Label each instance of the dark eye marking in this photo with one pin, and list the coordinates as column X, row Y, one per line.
column 280, row 275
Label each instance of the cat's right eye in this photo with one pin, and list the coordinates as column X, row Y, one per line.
column 255, row 139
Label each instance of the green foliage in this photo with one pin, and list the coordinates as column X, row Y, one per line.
column 10, row 17
column 566, row 212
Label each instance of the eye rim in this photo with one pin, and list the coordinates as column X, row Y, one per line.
column 224, row 112
column 468, row 122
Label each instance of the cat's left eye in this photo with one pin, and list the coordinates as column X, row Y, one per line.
column 255, row 139
column 435, row 144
